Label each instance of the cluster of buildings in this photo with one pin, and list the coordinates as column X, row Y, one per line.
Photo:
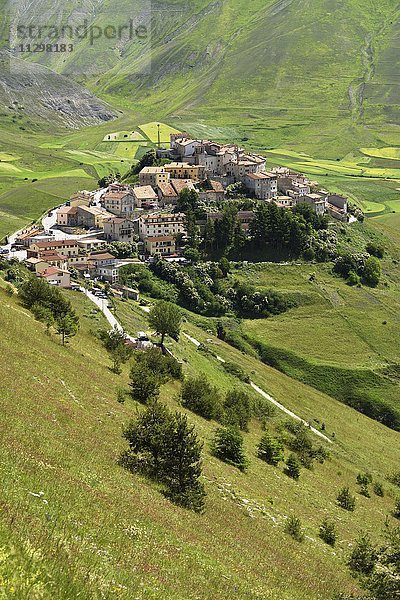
column 145, row 213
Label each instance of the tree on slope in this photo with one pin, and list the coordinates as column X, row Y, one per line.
column 165, row 317
column 115, row 343
column 182, row 465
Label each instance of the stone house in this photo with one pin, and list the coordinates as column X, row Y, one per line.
column 120, row 229
column 153, row 176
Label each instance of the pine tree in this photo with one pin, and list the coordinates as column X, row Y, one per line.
column 396, row 511
column 293, row 466
column 363, row 557
column 294, row 528
column 166, row 447
column 227, row 445
column 327, row 532
column 270, row 449
column 182, row 465
column 144, row 384
column 345, row 499
column 147, row 438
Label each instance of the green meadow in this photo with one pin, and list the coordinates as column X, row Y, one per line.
column 75, row 523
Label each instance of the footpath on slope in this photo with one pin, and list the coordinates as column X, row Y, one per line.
column 268, row 397
column 100, row 303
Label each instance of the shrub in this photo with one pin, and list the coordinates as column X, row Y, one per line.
column 363, row 557
column 270, row 449
column 378, row 489
column 372, row 272
column 395, row 478
column 236, row 371
column 293, row 527
column 237, row 409
column 327, row 532
column 293, row 466
column 345, row 499
column 165, row 367
column 364, row 478
column 199, row 396
column 353, row 278
column 227, row 445
column 302, row 444
column 364, row 491
column 375, row 250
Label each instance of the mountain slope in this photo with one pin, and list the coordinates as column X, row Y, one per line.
column 321, row 75
column 76, row 522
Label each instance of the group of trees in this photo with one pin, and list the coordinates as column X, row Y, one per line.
column 273, row 231
column 165, row 447
column 120, row 249
column 358, row 268
column 50, row 306
column 202, row 289
column 199, row 395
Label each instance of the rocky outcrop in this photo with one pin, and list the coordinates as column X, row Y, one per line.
column 43, row 94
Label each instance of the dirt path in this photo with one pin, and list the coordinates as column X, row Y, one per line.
column 269, row 398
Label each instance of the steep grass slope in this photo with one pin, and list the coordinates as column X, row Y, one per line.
column 74, row 523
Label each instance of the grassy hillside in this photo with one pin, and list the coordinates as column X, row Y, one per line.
column 75, row 523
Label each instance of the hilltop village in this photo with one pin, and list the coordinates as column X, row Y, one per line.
column 149, row 215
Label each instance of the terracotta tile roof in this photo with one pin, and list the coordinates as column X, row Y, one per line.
column 144, row 192
column 101, row 256
column 216, row 186
column 182, row 184
column 160, row 238
column 57, row 244
column 49, row 271
column 167, row 190
column 70, row 210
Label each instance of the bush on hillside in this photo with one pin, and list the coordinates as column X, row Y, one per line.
column 270, row 449
column 236, row 371
column 227, row 445
column 345, row 499
column 294, row 528
column 327, row 532
column 144, row 384
column 363, row 557
column 372, row 272
column 237, row 409
column 201, row 397
column 378, row 489
column 293, row 466
column 164, row 366
column 375, row 249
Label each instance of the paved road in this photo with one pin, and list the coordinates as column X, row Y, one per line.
column 101, row 303
column 269, row 398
